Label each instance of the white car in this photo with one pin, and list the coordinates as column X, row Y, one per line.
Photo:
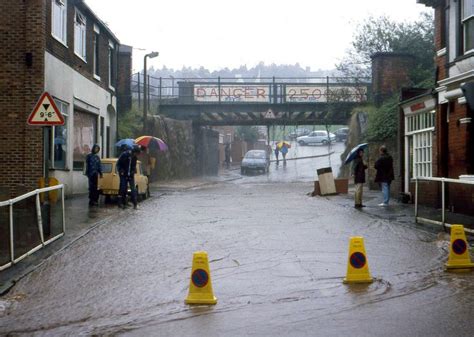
column 317, row 137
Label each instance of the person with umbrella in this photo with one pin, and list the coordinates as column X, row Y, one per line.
column 93, row 171
column 127, row 167
column 358, row 171
column 384, row 176
column 277, row 152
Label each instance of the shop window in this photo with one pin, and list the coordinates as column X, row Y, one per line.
column 59, row 20
column 59, row 136
column 85, row 136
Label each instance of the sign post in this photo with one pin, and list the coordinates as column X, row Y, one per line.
column 46, row 114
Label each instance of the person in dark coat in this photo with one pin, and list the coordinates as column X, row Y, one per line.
column 127, row 167
column 358, row 171
column 384, row 176
column 93, row 171
column 227, row 155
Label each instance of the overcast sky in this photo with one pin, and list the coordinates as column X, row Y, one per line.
column 220, row 33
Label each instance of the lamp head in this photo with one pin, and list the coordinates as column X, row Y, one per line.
column 153, row 54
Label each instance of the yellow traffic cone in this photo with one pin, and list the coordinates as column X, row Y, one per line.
column 357, row 267
column 458, row 253
column 200, row 287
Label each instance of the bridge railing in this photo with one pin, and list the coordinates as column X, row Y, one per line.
column 273, row 90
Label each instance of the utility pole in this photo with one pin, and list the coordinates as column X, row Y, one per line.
column 145, row 90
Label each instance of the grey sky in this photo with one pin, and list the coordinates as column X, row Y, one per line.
column 219, row 33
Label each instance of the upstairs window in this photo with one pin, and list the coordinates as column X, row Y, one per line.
column 96, row 52
column 111, row 65
column 468, row 25
column 59, row 20
column 80, row 35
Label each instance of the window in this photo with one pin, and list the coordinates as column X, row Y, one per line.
column 111, row 66
column 419, row 136
column 85, row 136
column 80, row 35
column 96, row 54
column 468, row 24
column 59, row 135
column 59, row 20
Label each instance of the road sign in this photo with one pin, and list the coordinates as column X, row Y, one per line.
column 200, row 278
column 269, row 114
column 459, row 246
column 357, row 260
column 45, row 112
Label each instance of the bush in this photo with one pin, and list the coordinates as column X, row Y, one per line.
column 383, row 121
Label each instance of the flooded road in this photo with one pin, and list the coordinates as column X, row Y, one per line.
column 277, row 260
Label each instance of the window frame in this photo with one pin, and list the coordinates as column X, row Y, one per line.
column 111, row 63
column 64, row 109
column 96, row 52
column 419, row 130
column 81, row 42
column 62, row 7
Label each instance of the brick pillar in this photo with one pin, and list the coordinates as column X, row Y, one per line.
column 124, row 78
column 390, row 72
column 23, row 41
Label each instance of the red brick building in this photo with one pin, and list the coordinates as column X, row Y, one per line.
column 62, row 47
column 437, row 135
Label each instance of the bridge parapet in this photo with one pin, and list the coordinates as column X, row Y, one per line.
column 212, row 100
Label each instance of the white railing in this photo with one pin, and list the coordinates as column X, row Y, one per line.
column 443, row 200
column 10, row 203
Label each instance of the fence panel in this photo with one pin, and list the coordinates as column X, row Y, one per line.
column 4, row 235
column 51, row 214
column 30, row 222
column 26, row 235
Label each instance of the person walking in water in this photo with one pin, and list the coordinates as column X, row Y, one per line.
column 284, row 151
column 227, row 155
column 93, row 171
column 385, row 175
column 127, row 167
column 358, row 171
column 277, row 152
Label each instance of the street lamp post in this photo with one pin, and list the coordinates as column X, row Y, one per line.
column 145, row 90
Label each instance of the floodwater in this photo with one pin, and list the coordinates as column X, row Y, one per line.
column 277, row 260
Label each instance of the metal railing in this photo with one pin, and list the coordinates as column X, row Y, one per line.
column 443, row 182
column 44, row 202
column 276, row 89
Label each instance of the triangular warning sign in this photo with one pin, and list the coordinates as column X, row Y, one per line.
column 45, row 112
column 269, row 114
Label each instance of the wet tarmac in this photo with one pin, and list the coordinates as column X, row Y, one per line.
column 277, row 260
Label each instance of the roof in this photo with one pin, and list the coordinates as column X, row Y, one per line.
column 430, row 3
column 102, row 24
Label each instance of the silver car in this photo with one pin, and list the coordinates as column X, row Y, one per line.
column 255, row 160
column 317, row 137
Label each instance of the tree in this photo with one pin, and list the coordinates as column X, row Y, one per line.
column 382, row 34
column 247, row 133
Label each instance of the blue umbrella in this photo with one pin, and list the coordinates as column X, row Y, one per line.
column 126, row 141
column 351, row 156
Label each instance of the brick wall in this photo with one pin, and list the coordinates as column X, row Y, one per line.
column 390, row 72
column 22, row 27
column 124, row 79
column 67, row 55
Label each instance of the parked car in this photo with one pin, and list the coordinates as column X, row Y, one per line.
column 341, row 134
column 317, row 137
column 110, row 182
column 298, row 133
column 255, row 160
